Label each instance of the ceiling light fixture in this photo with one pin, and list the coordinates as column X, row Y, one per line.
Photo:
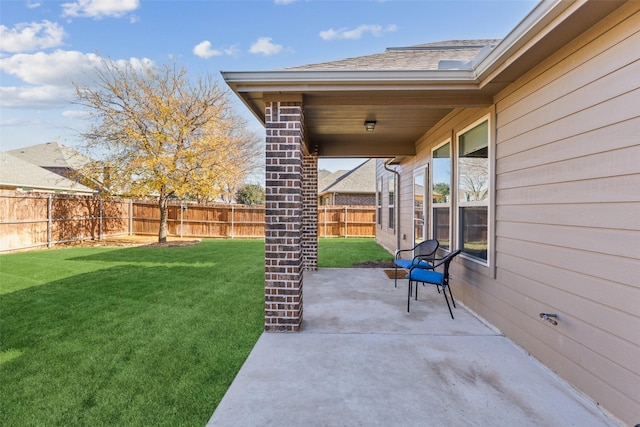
column 369, row 125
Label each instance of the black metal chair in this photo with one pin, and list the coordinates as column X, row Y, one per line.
column 429, row 275
column 422, row 250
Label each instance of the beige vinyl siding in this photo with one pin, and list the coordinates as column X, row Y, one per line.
column 388, row 238
column 567, row 209
column 385, row 237
column 406, row 201
column 567, row 227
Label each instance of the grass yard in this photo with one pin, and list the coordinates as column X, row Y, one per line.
column 340, row 252
column 134, row 335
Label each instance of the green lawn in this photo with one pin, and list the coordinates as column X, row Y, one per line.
column 337, row 252
column 133, row 336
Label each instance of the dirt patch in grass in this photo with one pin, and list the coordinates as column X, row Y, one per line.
column 149, row 241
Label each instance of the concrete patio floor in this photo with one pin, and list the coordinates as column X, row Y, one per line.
column 362, row 360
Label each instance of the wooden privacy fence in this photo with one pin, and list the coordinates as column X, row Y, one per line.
column 193, row 220
column 346, row 221
column 28, row 221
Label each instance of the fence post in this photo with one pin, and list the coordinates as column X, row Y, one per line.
column 130, row 217
column 181, row 218
column 346, row 224
column 325, row 220
column 100, row 222
column 232, row 220
column 49, row 220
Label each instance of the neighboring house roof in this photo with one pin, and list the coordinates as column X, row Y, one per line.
column 329, row 178
column 322, row 174
column 445, row 55
column 52, row 155
column 361, row 179
column 18, row 173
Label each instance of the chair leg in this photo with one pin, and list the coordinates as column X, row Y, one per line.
column 395, row 277
column 409, row 295
column 451, row 295
column 444, row 292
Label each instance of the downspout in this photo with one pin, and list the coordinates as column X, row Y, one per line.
column 397, row 201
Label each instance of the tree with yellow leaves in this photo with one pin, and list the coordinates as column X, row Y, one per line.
column 161, row 135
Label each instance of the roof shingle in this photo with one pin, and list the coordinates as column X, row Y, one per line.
column 429, row 56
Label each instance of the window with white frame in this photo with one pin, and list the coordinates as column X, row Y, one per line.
column 441, row 194
column 473, row 190
column 420, row 217
column 392, row 201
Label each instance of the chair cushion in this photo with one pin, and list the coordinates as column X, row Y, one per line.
column 408, row 263
column 427, row 276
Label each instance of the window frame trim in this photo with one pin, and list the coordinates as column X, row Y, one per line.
column 491, row 191
column 392, row 217
column 423, row 169
column 451, row 187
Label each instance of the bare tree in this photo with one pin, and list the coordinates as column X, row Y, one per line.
column 474, row 179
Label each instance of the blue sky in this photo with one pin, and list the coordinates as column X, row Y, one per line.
column 46, row 46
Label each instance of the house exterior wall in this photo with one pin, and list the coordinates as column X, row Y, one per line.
column 564, row 211
column 347, row 199
column 354, row 199
column 384, row 236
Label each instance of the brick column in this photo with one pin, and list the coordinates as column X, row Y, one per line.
column 283, row 215
column 310, row 212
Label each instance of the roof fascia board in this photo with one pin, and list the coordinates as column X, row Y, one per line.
column 307, row 80
column 530, row 29
column 84, row 190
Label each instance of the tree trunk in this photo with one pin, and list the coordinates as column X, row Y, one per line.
column 162, row 233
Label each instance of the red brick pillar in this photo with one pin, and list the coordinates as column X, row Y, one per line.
column 310, row 212
column 283, row 215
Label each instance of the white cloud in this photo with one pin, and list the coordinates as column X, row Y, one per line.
column 35, row 97
column 33, row 5
column 203, row 50
column 25, row 37
column 356, row 33
column 56, row 68
column 99, row 8
column 51, row 77
column 76, row 114
column 285, row 2
column 264, row 46
column 231, row 51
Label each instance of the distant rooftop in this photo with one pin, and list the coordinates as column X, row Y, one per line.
column 451, row 54
column 52, row 155
column 16, row 172
column 361, row 179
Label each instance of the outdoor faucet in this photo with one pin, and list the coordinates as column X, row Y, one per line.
column 551, row 318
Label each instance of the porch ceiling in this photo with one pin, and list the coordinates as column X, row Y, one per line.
column 334, row 117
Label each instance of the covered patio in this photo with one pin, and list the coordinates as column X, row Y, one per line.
column 361, row 359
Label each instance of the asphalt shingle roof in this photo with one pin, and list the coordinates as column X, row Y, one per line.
column 52, row 155
column 15, row 172
column 450, row 54
column 361, row 179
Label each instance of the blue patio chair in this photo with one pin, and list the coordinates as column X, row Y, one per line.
column 429, row 275
column 423, row 249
